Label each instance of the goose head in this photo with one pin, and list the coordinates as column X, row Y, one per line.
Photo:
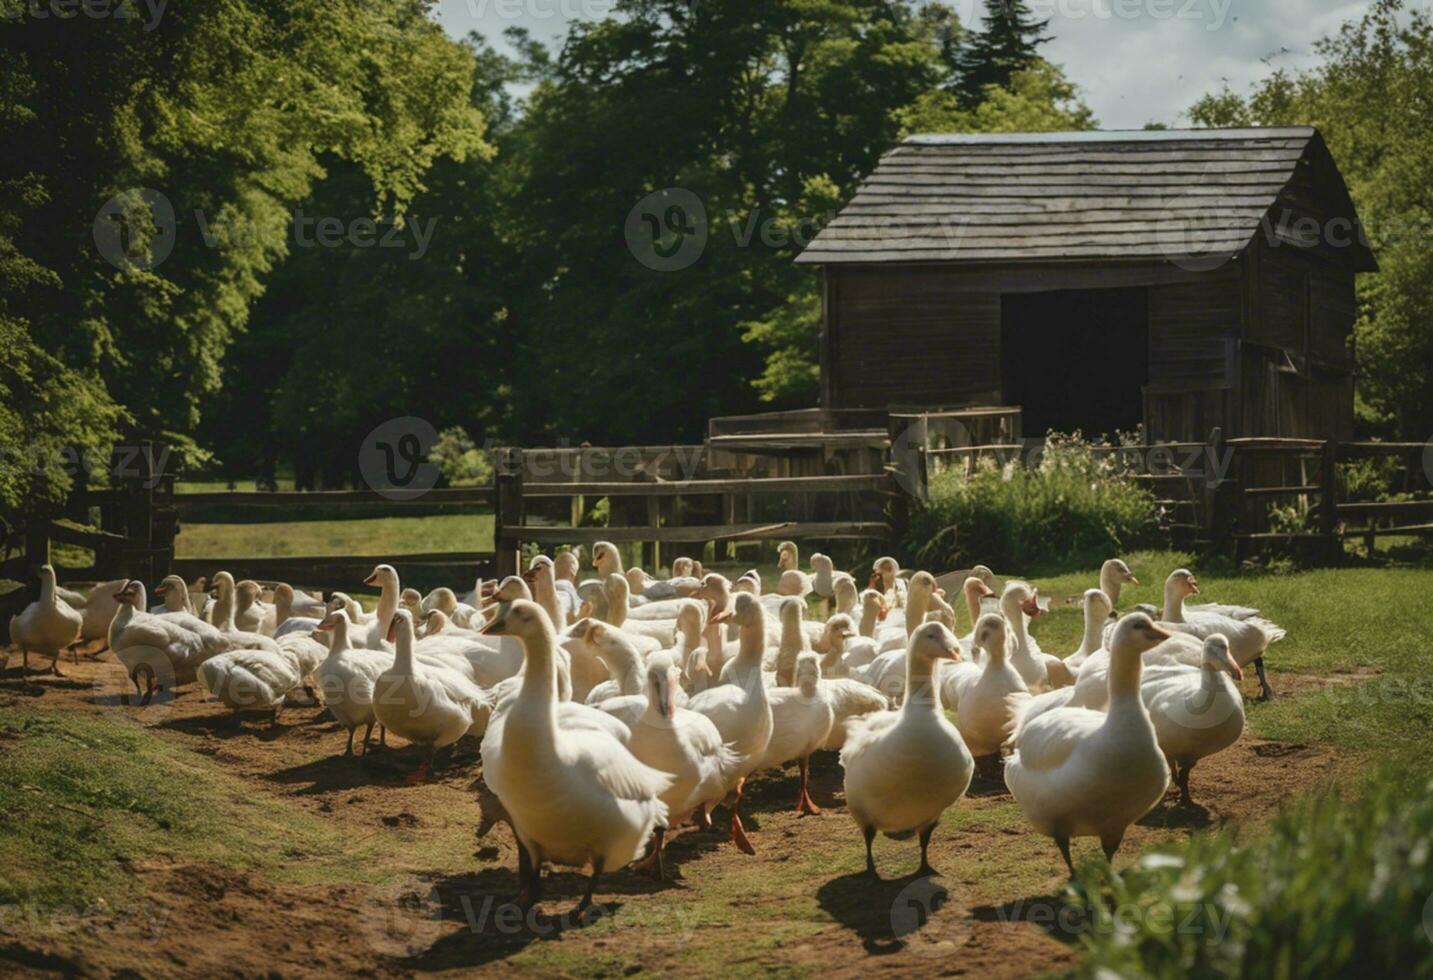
column 1133, row 635
column 566, row 565
column 931, row 642
column 839, row 629
column 1096, row 605
column 412, row 600
column 808, row 673
column 1115, row 573
column 716, row 592
column 175, row 593
column 637, row 579
column 787, row 557
column 520, row 618
column 884, row 572
column 691, row 618
column 822, row 564
column 681, row 567
column 333, row 620
column 222, row 586
column 985, row 575
column 791, row 583
column 606, row 558
column 1020, row 598
column 130, row 594
column 790, row 612
column 922, row 586
column 663, row 682
column 844, row 589
column 1181, row 584
column 510, row 589
column 749, row 582
column 990, row 635
column 1216, row 656
column 443, row 599
column 874, row 604
column 975, row 591
column 247, row 593
column 400, row 630
column 619, row 595
column 383, row 576
column 434, row 622
column 747, row 612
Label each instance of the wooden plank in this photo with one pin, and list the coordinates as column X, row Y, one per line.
column 1384, row 531
column 1391, row 510
column 345, row 572
column 778, row 442
column 1281, row 491
column 84, row 537
column 690, row 535
column 682, row 488
column 461, row 496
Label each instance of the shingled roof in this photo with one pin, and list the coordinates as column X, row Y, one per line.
column 1073, row 196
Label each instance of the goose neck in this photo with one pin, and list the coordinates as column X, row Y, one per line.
column 1094, row 633
column 387, row 605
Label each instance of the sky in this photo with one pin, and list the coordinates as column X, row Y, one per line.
column 1136, row 61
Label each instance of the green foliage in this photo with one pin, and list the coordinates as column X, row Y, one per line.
column 462, row 462
column 1037, row 99
column 1075, row 505
column 230, row 112
column 1337, row 887
column 1367, row 98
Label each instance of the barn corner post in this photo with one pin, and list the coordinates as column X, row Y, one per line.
column 508, row 512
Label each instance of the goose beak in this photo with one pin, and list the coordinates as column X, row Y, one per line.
column 393, row 630
column 1031, row 606
column 371, row 580
column 1161, row 632
column 1193, row 587
column 1131, row 579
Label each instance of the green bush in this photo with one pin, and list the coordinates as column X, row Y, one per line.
column 1077, row 506
column 1336, row 889
column 462, row 463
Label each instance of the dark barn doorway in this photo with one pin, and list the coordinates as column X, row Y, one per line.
column 1076, row 359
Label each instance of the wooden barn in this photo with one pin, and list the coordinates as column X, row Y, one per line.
column 1183, row 279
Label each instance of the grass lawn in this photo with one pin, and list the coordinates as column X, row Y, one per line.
column 377, row 537
column 115, row 807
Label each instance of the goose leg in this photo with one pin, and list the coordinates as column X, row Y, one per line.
column 367, row 734
column 870, row 834
column 423, row 774
column 55, row 664
column 1266, row 693
column 652, row 863
column 1063, row 843
column 1182, row 778
column 586, row 902
column 804, row 804
column 24, row 659
column 738, row 832
column 701, row 819
column 526, row 884
column 1111, row 845
column 925, row 868
column 349, row 750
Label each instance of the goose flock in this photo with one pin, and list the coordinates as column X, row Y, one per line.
column 614, row 709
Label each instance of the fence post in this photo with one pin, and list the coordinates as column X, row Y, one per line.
column 508, row 512
column 1328, row 498
column 37, row 549
column 1217, row 516
column 165, row 527
column 136, row 483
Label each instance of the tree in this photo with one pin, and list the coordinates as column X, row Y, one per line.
column 1367, row 97
column 163, row 161
column 1038, row 99
column 1008, row 44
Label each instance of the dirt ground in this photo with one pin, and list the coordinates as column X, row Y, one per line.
column 801, row 905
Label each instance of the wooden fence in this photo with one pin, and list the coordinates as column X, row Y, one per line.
column 773, row 482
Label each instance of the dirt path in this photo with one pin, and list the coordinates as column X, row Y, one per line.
column 801, row 905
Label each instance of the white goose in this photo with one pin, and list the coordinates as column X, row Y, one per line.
column 1114, row 575
column 1097, row 609
column 624, row 664
column 97, row 608
column 1081, row 773
column 1196, row 711
column 346, row 677
column 574, row 798
column 159, row 648
column 675, row 740
column 46, row 625
column 985, row 696
column 431, row 706
column 905, row 767
column 225, row 607
column 1249, row 635
column 740, row 709
column 1040, row 671
column 801, row 719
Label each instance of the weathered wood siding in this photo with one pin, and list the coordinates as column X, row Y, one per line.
column 910, row 336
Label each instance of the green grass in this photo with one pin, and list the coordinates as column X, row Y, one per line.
column 1367, row 624
column 377, row 537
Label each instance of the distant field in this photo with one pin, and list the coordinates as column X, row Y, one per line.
column 377, row 537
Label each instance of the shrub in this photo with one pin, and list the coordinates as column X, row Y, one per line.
column 463, row 464
column 1077, row 506
column 1337, row 888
